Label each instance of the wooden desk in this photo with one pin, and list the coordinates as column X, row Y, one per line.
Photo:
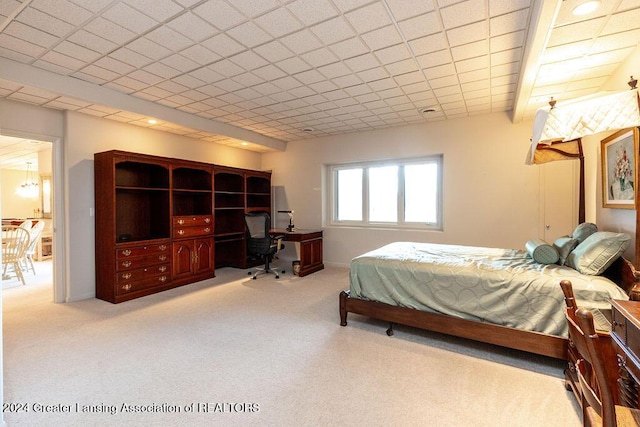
column 625, row 335
column 310, row 248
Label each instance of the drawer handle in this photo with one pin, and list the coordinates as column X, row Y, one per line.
column 127, row 287
column 126, row 252
column 126, row 276
column 162, row 247
column 126, row 263
column 162, row 269
column 163, row 279
column 207, row 220
column 181, row 221
column 207, row 229
column 181, row 232
column 162, row 257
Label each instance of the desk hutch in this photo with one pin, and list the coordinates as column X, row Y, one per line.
column 163, row 222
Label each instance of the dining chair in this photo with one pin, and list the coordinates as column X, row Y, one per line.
column 34, row 233
column 15, row 240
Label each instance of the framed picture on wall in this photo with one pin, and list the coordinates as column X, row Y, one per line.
column 619, row 153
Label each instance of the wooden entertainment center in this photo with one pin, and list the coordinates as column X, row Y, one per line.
column 163, row 222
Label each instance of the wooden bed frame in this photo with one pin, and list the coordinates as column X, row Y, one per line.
column 621, row 272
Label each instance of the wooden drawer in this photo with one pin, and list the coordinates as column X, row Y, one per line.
column 141, row 262
column 142, row 250
column 150, row 282
column 182, row 232
column 143, row 273
column 193, row 220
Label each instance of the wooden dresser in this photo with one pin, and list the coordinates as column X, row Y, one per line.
column 625, row 335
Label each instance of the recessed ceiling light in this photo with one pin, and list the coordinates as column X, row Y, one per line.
column 586, row 8
column 152, row 122
column 244, row 143
column 427, row 110
column 307, row 130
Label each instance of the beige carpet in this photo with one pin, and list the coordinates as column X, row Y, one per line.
column 237, row 352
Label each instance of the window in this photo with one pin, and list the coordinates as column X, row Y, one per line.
column 401, row 193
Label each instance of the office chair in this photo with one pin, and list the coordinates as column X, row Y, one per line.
column 261, row 243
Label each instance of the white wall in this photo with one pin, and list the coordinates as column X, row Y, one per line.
column 491, row 198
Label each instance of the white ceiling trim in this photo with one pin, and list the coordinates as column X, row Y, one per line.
column 89, row 92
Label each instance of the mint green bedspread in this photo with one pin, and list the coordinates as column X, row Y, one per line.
column 499, row 286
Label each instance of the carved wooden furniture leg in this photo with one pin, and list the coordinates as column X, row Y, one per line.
column 343, row 308
column 390, row 329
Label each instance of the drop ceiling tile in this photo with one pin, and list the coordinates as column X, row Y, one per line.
column 293, row 65
column 108, row 30
column 610, row 57
column 273, row 51
column 428, row 44
column 470, row 50
column 576, row 32
column 172, row 86
column 421, row 26
column 127, row 17
column 442, row 82
column 248, row 60
column 287, row 83
column 170, row 39
column 468, row 88
column 347, row 5
column 362, row 62
column 507, row 41
column 64, row 61
column 156, row 92
column 226, row 68
column 349, row 48
column 505, row 69
column 189, row 81
column 267, row 88
column 301, row 92
column 382, row 37
column 219, row 13
column 99, row 72
column 121, row 88
column 159, row 10
column 193, row 27
column 500, row 7
column 383, row 84
column 369, row 17
column 393, row 54
column 63, row 10
column 31, row 35
column 149, row 48
column 200, row 54
column 254, row 8
column 467, row 34
column 373, row 74
column 249, row 34
column 301, row 42
column 310, row 76
column 278, row 22
column 17, row 45
column 504, row 80
column 333, row 31
column 509, row 23
column 403, row 9
column 463, row 13
column 401, row 67
column 348, row 80
column 472, row 64
column 161, row 70
column 615, row 41
column 130, row 57
column 132, row 84
column 36, row 19
column 223, row 45
column 228, row 85
column 92, row 5
column 78, row 52
column 148, row 78
column 440, row 71
column 409, row 78
column 336, row 69
column 320, row 57
column 247, row 79
column 476, row 96
column 434, row 59
column 623, row 21
column 269, row 72
column 312, row 11
column 507, row 56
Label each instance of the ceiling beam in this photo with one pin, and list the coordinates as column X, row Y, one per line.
column 89, row 92
column 543, row 18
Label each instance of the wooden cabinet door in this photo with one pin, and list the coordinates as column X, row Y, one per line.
column 183, row 255
column 204, row 259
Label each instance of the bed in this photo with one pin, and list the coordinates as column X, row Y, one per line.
column 498, row 296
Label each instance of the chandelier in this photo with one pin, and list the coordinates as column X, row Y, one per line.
column 29, row 188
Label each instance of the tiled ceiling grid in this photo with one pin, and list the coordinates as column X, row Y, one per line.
column 276, row 67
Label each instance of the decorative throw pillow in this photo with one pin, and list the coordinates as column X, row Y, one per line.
column 598, row 252
column 583, row 231
column 542, row 252
column 564, row 245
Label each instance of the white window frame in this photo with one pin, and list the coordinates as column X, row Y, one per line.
column 332, row 172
